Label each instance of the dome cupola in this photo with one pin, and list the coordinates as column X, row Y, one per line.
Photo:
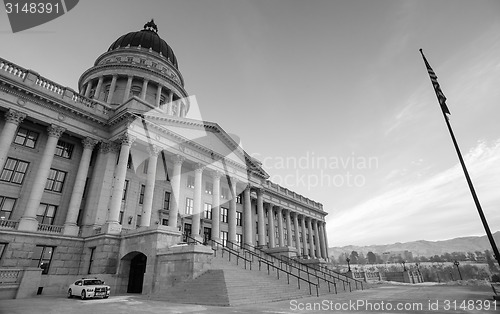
column 148, row 39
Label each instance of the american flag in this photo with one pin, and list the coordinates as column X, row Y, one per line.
column 435, row 84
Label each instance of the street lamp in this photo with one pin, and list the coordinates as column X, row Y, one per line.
column 348, row 260
column 456, row 263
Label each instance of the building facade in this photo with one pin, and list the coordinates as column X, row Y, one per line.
column 103, row 181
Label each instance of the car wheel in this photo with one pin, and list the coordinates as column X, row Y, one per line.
column 69, row 294
column 83, row 294
column 106, row 297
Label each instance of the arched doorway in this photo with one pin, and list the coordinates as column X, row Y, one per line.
column 136, row 273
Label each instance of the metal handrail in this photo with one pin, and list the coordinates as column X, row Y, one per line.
column 332, row 274
column 287, row 271
column 231, row 251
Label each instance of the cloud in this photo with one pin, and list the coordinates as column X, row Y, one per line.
column 436, row 206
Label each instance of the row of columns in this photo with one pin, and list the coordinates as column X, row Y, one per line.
column 314, row 226
column 180, row 111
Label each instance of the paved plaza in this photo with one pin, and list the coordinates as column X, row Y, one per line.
column 380, row 299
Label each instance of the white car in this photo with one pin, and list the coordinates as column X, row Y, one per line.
column 89, row 288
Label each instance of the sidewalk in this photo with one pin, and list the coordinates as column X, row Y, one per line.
column 380, row 299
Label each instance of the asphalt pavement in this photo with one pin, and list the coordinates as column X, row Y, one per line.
column 386, row 298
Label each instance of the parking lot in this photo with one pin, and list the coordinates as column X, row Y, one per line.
column 381, row 299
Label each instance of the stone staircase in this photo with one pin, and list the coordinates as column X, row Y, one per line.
column 226, row 283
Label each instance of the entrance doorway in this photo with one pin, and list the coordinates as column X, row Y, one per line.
column 136, row 273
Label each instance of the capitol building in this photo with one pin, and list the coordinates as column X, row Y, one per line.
column 116, row 181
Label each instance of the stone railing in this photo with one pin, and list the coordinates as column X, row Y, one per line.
column 12, row 69
column 43, row 84
column 9, row 276
column 282, row 190
column 50, row 228
column 8, row 224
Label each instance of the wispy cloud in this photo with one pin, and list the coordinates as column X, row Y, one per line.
column 434, row 207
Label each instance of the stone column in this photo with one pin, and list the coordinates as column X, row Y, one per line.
column 289, row 242
column 147, row 205
column 28, row 221
column 261, row 217
column 198, row 185
column 175, row 181
column 113, row 223
column 158, row 95
column 248, row 226
column 296, row 227
column 12, row 120
column 270, row 217
column 170, row 103
column 326, row 241
column 144, row 89
column 231, row 215
column 318, row 240
column 88, row 89
column 322, row 240
column 311, row 242
column 100, row 188
column 98, row 88
column 304, row 235
column 70, row 227
column 112, row 88
column 127, row 89
column 216, row 206
column 281, row 232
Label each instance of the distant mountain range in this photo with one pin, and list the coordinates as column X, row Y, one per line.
column 422, row 247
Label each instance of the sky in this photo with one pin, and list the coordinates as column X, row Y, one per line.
column 332, row 96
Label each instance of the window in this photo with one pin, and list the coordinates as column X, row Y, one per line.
column 64, row 149
column 189, row 206
column 14, row 171
column 106, row 92
column 135, row 90
column 26, row 137
column 209, row 187
column 55, row 180
column 239, row 239
column 256, row 227
column 141, row 194
column 3, row 246
column 120, row 217
column 207, row 212
column 223, row 214
column 146, row 165
column 42, row 256
column 223, row 237
column 46, row 213
column 125, row 189
column 190, row 182
column 138, row 221
column 164, row 222
column 239, row 216
column 187, row 231
column 6, row 207
column 92, row 250
column 166, row 201
column 224, row 193
column 238, row 199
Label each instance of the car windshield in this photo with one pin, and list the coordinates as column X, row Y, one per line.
column 92, row 282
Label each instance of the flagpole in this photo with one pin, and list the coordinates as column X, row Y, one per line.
column 473, row 192
column 444, row 110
